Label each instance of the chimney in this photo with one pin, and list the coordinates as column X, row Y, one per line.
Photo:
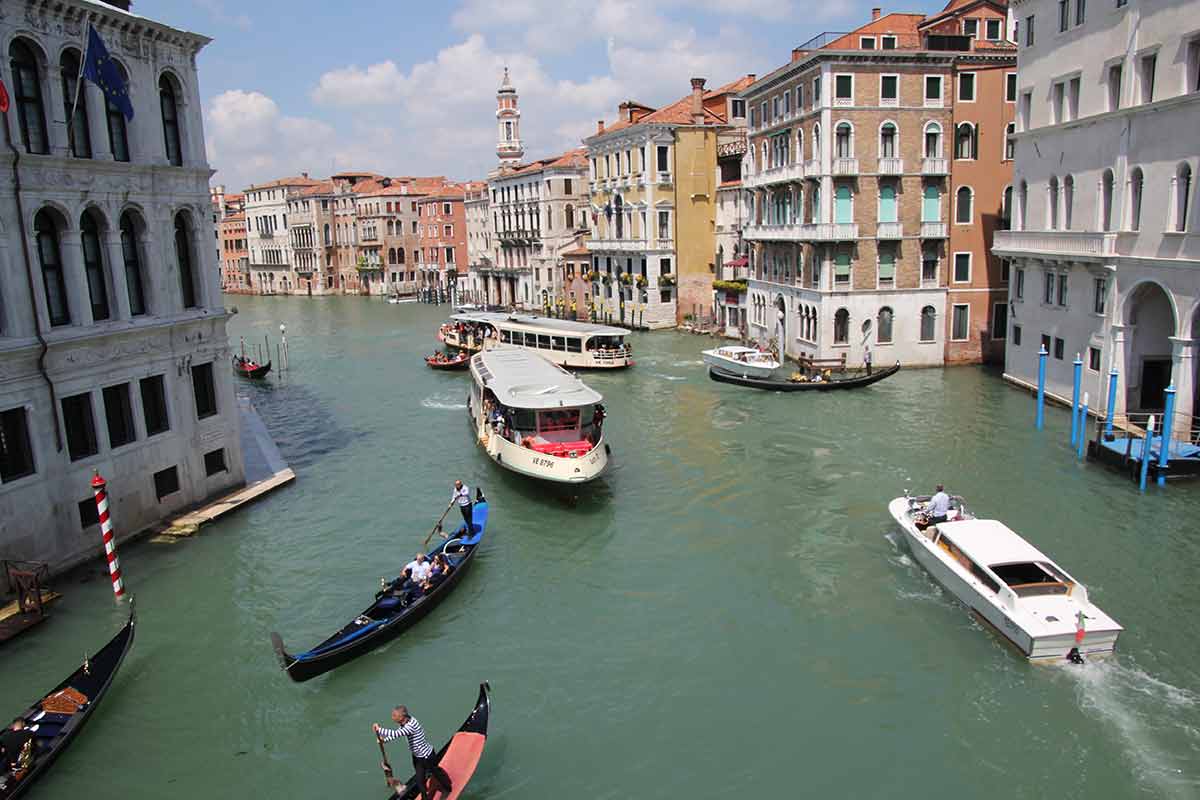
column 698, row 101
column 798, row 54
column 875, row 12
column 303, row 174
column 599, row 127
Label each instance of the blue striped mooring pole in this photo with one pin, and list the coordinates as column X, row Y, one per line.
column 1078, row 365
column 1111, row 409
column 1083, row 425
column 1146, row 453
column 1041, row 390
column 1164, row 439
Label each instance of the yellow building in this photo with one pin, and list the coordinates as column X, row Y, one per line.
column 653, row 196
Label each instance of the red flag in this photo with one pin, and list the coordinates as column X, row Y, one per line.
column 3, row 99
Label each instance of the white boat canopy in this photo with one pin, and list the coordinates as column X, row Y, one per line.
column 523, row 379
column 988, row 542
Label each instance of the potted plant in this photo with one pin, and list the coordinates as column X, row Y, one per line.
column 626, row 278
column 666, row 280
column 606, row 279
column 641, row 281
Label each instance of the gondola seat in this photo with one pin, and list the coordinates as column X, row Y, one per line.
column 388, row 603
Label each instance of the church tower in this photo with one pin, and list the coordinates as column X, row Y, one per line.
column 508, row 125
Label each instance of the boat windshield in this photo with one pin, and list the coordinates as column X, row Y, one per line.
column 562, row 432
column 1032, row 578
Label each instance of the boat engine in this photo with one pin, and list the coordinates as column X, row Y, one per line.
column 1074, row 656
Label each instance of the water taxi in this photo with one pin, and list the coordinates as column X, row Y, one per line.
column 1007, row 582
column 535, row 418
column 745, row 361
column 579, row 345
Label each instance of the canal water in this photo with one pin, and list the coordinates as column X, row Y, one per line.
column 730, row 611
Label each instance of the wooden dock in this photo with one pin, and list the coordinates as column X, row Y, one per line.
column 14, row 621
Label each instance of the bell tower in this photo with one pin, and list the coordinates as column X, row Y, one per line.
column 508, row 125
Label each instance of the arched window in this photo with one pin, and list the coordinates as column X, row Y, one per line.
column 1068, row 201
column 799, row 145
column 570, row 217
column 1052, row 204
column 964, row 141
column 931, row 203
column 933, row 140
column 1006, row 208
column 400, row 255
column 841, row 326
column 1022, row 205
column 46, row 231
column 844, row 140
column 964, row 205
column 183, row 254
column 888, row 141
column 883, row 329
column 816, row 142
column 93, row 266
column 27, row 94
column 1106, row 200
column 78, row 137
column 928, row 323
column 1135, row 199
column 1010, row 142
column 327, row 239
column 131, row 255
column 391, row 255
column 1183, row 195
column 169, row 104
column 816, row 204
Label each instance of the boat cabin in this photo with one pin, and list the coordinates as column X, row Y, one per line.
column 565, row 342
column 998, row 557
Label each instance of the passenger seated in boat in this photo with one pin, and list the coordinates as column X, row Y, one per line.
column 416, row 571
column 13, row 744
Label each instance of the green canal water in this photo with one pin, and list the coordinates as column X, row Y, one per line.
column 730, row 611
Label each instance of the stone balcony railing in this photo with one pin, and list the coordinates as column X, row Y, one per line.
column 812, row 167
column 935, row 166
column 829, row 231
column 889, row 230
column 664, row 178
column 772, row 232
column 622, row 245
column 1075, row 244
column 783, row 174
column 845, row 166
column 891, row 166
column 934, row 230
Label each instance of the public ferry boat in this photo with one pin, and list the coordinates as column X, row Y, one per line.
column 579, row 345
column 535, row 418
column 744, row 361
column 1007, row 582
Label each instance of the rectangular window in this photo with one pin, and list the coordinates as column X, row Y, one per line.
column 1073, row 99
column 214, row 462
column 970, row 27
column 866, row 42
column 962, row 267
column 816, row 98
column 966, row 87
column 929, row 266
column 664, row 266
column 843, row 90
column 89, row 515
column 205, row 390
column 993, row 30
column 446, row 208
column 1048, row 293
column 1058, row 96
column 449, row 255
column 1100, row 286
column 1059, row 347
column 887, row 264
column 154, row 405
column 889, row 90
column 1094, row 359
column 888, row 42
column 1016, row 340
column 118, row 413
column 1080, row 11
column 662, row 158
column 1064, row 15
column 166, row 482
column 1193, row 82
column 80, row 426
column 16, row 454
column 1114, row 87
column 1025, row 110
column 1046, row 343
column 1148, row 65
column 1029, row 31
column 737, row 111
column 841, row 269
column 664, row 296
column 960, row 323
column 664, row 225
column 933, row 90
column 999, row 320
column 1010, row 87
column 1062, row 289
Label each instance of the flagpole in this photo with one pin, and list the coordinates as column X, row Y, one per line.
column 87, row 23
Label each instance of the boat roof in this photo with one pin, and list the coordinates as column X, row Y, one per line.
column 544, row 323
column 988, row 542
column 521, row 378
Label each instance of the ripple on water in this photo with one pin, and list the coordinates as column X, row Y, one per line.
column 444, row 401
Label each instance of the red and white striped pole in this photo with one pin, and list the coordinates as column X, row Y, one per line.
column 106, row 530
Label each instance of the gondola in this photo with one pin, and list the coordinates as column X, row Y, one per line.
column 721, row 376
column 248, row 368
column 460, row 361
column 58, row 717
column 392, row 612
column 458, row 757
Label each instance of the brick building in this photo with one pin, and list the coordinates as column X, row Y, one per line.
column 442, row 237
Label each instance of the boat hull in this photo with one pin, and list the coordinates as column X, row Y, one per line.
column 721, row 376
column 541, row 466
column 614, row 359
column 740, row 368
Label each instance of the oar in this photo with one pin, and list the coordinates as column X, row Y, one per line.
column 438, row 524
column 387, row 768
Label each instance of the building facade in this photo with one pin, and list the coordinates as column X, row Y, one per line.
column 653, row 182
column 730, row 284
column 874, row 188
column 310, row 231
column 113, row 349
column 1105, row 247
column 477, row 211
column 270, row 245
column 442, row 237
column 232, row 252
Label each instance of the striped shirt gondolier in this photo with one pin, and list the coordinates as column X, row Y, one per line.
column 411, row 730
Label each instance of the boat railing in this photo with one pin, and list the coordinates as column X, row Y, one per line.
column 1127, row 432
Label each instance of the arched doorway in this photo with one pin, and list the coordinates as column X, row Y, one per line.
column 781, row 324
column 1151, row 320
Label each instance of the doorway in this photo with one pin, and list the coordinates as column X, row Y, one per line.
column 1156, row 376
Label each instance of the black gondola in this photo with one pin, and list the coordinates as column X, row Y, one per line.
column 768, row 384
column 460, row 756
column 248, row 368
column 58, row 717
column 393, row 610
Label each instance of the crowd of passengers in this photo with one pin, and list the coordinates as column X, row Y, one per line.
column 500, row 420
column 420, row 577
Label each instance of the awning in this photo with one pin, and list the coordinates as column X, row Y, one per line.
column 738, row 262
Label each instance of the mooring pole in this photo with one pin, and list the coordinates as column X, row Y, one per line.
column 1110, row 411
column 100, row 489
column 1041, row 387
column 1164, row 439
column 1083, row 424
column 1145, row 466
column 1078, row 369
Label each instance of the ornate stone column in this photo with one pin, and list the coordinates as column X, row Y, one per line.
column 116, row 267
column 1183, row 375
column 97, row 121
column 1118, row 363
column 75, row 278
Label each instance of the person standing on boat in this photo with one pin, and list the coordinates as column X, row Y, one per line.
column 462, row 496
column 867, row 360
column 424, row 758
column 939, row 506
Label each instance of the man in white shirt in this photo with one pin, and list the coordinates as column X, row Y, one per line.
column 462, row 496
column 418, row 569
column 939, row 506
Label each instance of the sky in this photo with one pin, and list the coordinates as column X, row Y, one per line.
column 409, row 88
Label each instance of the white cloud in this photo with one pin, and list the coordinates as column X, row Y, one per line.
column 216, row 10
column 249, row 140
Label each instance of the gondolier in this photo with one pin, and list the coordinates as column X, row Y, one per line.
column 425, row 760
column 462, row 496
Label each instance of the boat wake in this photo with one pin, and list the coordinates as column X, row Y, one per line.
column 443, row 402
column 677, row 378
column 701, row 364
column 1151, row 718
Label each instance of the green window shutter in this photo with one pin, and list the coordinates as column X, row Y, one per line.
column 887, row 263
column 841, row 264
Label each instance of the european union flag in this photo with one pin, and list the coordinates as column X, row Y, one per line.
column 100, row 69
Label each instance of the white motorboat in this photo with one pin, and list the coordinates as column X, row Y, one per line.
column 745, row 361
column 1009, row 584
column 533, row 417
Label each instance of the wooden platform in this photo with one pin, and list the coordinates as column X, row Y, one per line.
column 14, row 621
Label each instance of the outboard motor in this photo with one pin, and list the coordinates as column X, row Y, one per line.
column 1074, row 656
column 479, row 498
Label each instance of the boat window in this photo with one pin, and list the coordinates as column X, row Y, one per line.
column 967, row 564
column 586, row 415
column 505, row 336
column 543, row 341
column 574, row 345
column 524, row 420
column 564, row 419
column 1031, row 578
column 559, row 342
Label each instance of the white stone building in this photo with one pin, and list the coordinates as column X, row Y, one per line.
column 272, row 257
column 479, row 238
column 1105, row 250
column 113, row 349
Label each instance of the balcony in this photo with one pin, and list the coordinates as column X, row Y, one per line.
column 889, row 230
column 812, row 167
column 773, row 233
column 891, row 166
column 829, row 232
column 1071, row 244
column 783, row 174
column 664, row 178
column 619, row 245
column 934, row 230
column 845, row 166
column 935, row 166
